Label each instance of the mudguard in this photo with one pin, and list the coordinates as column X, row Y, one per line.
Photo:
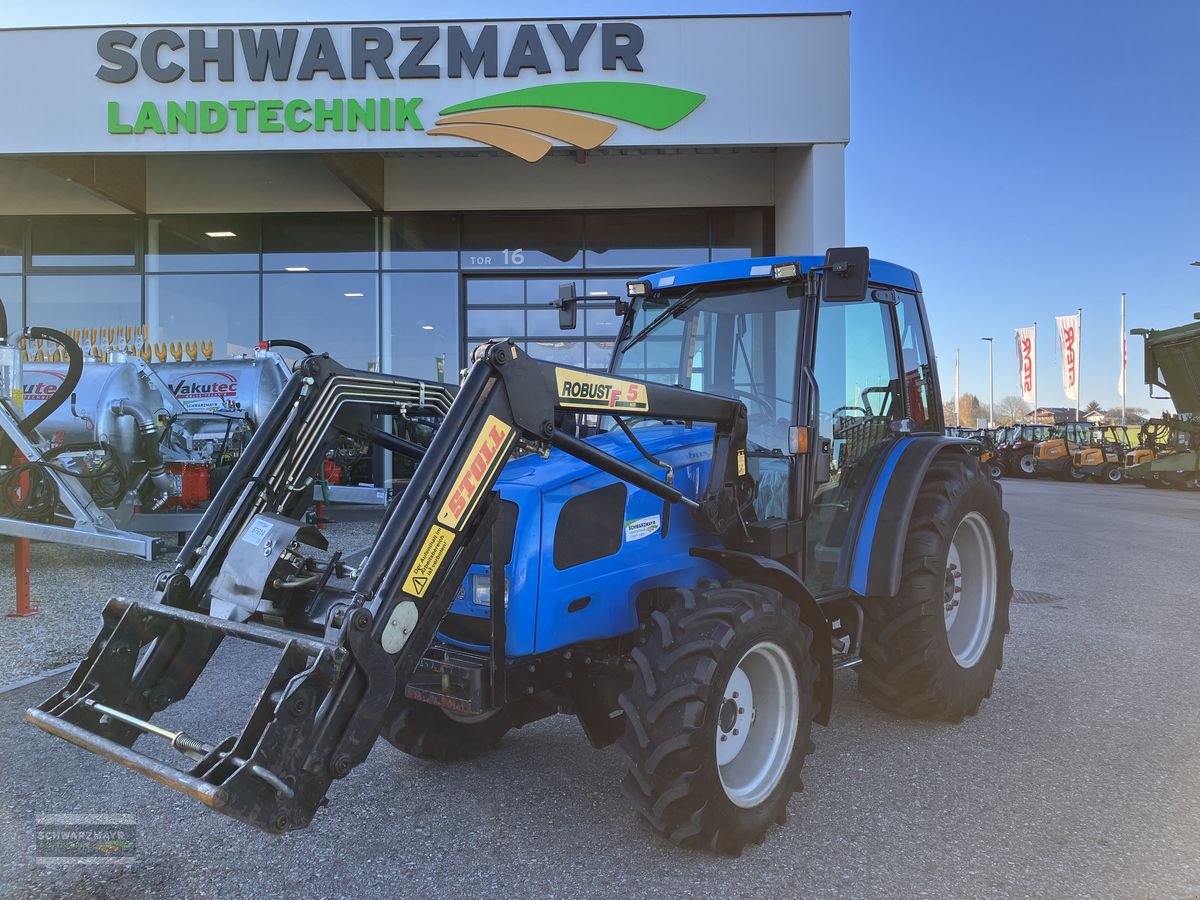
column 778, row 576
column 875, row 566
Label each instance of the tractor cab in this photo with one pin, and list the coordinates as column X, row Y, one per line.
column 1104, row 458
column 1054, row 455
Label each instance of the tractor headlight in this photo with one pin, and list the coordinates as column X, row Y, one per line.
column 785, row 271
column 638, row 288
column 481, row 591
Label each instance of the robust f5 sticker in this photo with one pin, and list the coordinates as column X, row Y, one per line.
column 582, row 390
column 487, row 453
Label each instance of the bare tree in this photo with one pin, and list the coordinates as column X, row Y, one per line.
column 1011, row 410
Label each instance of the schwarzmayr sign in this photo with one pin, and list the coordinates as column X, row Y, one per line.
column 523, row 121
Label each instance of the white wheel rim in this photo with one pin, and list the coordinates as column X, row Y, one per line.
column 1028, row 464
column 970, row 590
column 756, row 724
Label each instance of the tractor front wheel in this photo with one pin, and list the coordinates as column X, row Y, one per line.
column 719, row 715
column 429, row 732
column 1027, row 465
column 1111, row 474
column 933, row 650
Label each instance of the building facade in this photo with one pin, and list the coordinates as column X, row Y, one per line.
column 393, row 193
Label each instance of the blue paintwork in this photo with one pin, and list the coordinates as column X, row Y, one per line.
column 861, row 561
column 539, row 593
column 882, row 272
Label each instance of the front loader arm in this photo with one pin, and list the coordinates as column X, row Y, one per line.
column 323, row 707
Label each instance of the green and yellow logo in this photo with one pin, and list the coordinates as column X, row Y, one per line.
column 525, row 122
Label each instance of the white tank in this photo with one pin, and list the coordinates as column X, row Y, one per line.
column 91, row 418
column 248, row 384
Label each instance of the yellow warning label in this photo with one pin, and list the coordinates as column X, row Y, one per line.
column 583, row 390
column 429, row 560
column 741, row 462
column 487, row 454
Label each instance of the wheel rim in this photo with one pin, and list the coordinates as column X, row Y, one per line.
column 1028, row 464
column 756, row 724
column 970, row 594
column 1114, row 475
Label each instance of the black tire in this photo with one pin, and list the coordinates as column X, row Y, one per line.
column 1111, row 474
column 995, row 470
column 1076, row 475
column 427, row 732
column 908, row 666
column 1025, row 465
column 690, row 647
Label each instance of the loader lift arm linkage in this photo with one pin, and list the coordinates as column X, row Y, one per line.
column 323, row 706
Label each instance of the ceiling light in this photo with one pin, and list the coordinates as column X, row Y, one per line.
column 221, row 234
column 295, row 268
column 353, row 294
column 427, row 328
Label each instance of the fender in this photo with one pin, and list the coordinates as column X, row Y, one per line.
column 875, row 567
column 778, row 576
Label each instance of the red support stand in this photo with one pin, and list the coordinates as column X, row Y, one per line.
column 25, row 606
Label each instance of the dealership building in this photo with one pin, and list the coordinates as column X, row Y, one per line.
column 395, row 192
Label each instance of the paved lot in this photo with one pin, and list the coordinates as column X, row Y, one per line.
column 1081, row 777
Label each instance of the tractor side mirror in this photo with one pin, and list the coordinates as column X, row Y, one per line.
column 847, row 270
column 568, row 306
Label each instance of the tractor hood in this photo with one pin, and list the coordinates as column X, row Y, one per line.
column 677, row 445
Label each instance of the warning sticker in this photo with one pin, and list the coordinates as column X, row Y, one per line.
column 429, row 560
column 487, row 453
column 256, row 531
column 583, row 390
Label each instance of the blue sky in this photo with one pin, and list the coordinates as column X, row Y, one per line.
column 1026, row 158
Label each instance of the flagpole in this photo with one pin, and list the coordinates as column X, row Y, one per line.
column 1124, row 386
column 1078, row 362
column 1035, row 350
column 957, row 423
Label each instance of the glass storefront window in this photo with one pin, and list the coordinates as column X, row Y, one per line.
column 569, row 353
column 12, row 244
column 515, row 242
column 420, row 241
column 10, row 296
column 218, row 308
column 313, row 243
column 484, row 324
column 84, row 241
column 420, row 324
column 84, row 301
column 495, row 291
column 202, row 244
column 332, row 312
column 644, row 241
column 738, row 233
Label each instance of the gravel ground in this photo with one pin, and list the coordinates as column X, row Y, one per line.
column 1080, row 777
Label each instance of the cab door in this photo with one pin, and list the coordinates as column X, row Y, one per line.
column 859, row 398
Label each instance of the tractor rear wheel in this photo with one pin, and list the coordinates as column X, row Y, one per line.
column 995, row 470
column 1027, row 465
column 719, row 715
column 1111, row 474
column 429, row 732
column 933, row 650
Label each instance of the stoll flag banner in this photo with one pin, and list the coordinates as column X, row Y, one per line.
column 1027, row 361
column 1068, row 348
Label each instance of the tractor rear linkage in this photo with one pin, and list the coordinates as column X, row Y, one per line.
column 329, row 695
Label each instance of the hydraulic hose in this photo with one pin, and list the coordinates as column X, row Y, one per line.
column 70, row 382
column 150, row 447
column 295, row 345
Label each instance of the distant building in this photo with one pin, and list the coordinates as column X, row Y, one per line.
column 1052, row 415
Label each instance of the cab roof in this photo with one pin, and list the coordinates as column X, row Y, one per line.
column 882, row 272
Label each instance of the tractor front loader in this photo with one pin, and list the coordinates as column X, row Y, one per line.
column 681, row 551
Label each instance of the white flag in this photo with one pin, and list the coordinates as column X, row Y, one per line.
column 1068, row 350
column 1027, row 362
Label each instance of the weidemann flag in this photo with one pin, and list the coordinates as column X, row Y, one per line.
column 1068, row 349
column 1027, row 362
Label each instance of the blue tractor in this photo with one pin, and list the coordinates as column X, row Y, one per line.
column 681, row 551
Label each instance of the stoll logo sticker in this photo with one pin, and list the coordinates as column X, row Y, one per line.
column 636, row 529
column 96, row 839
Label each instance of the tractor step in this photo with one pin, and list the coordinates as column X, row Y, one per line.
column 453, row 679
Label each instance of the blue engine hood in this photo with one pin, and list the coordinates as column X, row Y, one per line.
column 562, row 468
